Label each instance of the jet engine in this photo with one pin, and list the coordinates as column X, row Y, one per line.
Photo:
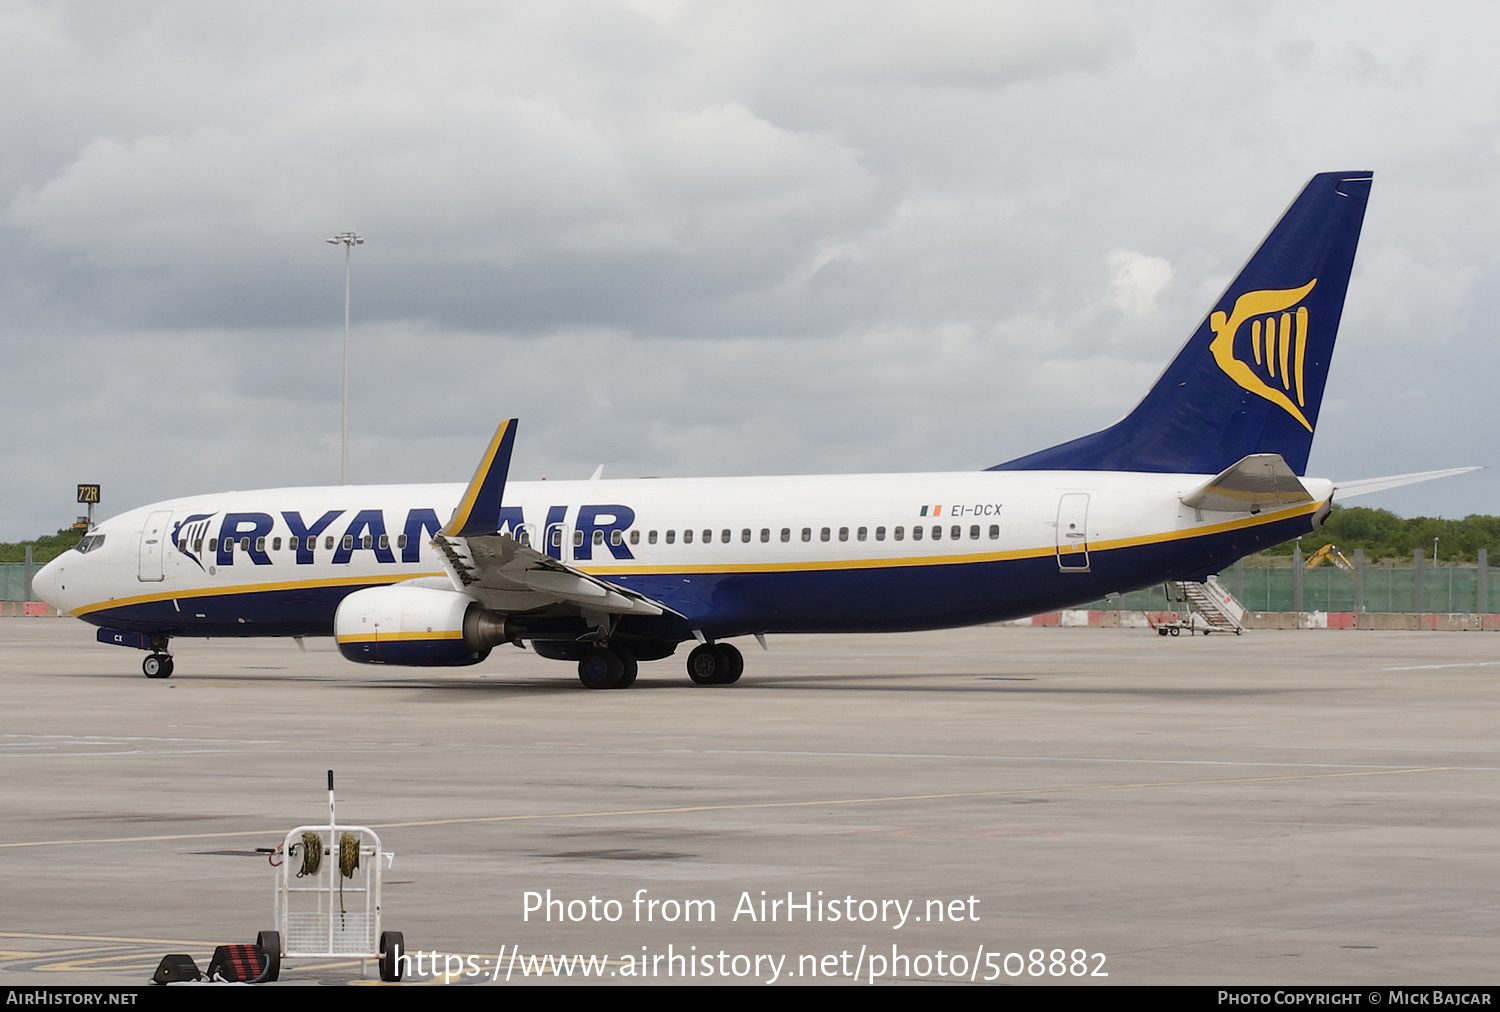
column 418, row 626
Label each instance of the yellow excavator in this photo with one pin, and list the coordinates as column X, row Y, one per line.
column 1330, row 553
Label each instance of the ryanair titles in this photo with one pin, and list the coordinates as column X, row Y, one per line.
column 345, row 532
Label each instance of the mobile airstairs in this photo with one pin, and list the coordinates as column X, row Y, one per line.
column 1210, row 608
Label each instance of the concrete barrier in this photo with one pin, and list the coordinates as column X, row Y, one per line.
column 35, row 609
column 1405, row 621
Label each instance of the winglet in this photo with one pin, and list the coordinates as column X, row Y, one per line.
column 478, row 511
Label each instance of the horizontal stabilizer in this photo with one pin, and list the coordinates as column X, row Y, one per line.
column 1258, row 482
column 1349, row 489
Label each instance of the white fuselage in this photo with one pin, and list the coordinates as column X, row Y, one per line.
column 732, row 555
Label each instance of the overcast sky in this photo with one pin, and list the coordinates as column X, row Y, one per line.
column 683, row 238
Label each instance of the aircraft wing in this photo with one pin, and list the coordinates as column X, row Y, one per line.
column 507, row 575
column 1349, row 489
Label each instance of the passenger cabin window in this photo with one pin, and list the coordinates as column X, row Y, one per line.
column 745, row 535
column 557, row 537
column 899, row 533
column 651, row 538
column 861, row 533
column 401, row 539
column 843, row 534
column 807, row 534
column 385, row 542
column 786, row 534
column 197, row 545
column 708, row 537
column 260, row 544
column 213, row 544
column 598, row 538
column 880, row 534
column 617, row 537
column 765, row 535
column 328, row 543
column 974, row 533
column 916, row 534
column 956, row 532
column 635, row 537
column 578, row 539
column 244, row 544
column 937, row 532
column 366, row 542
column 994, row 532
column 823, row 534
column 348, row 542
column 671, row 535
column 687, row 537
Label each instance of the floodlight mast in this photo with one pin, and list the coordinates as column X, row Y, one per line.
column 349, row 240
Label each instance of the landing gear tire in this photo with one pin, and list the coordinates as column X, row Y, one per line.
column 734, row 664
column 715, row 664
column 631, row 668
column 269, row 944
column 157, row 666
column 392, row 945
column 601, row 668
column 704, row 664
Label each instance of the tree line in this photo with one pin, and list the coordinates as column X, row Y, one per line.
column 1386, row 537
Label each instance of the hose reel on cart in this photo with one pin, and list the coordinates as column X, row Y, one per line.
column 310, row 922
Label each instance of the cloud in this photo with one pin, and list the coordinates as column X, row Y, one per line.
column 1135, row 280
column 685, row 236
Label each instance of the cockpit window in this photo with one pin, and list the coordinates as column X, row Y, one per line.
column 89, row 543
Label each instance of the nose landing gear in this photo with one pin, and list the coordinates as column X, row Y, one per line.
column 157, row 665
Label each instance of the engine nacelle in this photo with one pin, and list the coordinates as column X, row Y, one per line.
column 418, row 626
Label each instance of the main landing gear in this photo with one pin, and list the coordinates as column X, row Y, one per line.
column 715, row 664
column 708, row 664
column 603, row 668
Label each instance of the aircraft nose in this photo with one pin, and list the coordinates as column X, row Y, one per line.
column 47, row 584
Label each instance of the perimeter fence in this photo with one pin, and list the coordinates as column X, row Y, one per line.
column 1284, row 584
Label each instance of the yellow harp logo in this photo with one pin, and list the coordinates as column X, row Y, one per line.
column 1278, row 341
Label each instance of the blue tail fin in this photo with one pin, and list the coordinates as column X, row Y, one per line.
column 1250, row 379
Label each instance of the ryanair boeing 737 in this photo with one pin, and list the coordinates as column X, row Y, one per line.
column 1207, row 469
